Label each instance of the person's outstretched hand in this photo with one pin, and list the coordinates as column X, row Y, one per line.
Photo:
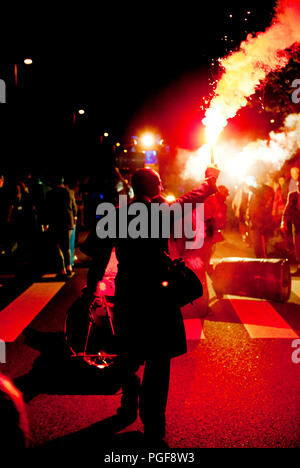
column 212, row 173
column 283, row 227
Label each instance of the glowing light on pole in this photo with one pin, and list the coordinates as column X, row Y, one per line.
column 214, row 124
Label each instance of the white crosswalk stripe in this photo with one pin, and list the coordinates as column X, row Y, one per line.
column 19, row 313
column 295, row 295
column 259, row 318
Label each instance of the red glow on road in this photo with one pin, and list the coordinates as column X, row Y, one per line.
column 19, row 313
column 261, row 320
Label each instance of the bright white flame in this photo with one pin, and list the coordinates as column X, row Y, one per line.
column 238, row 161
column 214, row 124
column 170, row 198
column 28, row 61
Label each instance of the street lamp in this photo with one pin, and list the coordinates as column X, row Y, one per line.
column 27, row 61
column 147, row 140
column 80, row 112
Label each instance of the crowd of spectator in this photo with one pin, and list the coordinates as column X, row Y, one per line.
column 261, row 207
column 35, row 210
column 26, row 212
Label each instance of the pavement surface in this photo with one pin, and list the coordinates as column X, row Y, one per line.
column 236, row 387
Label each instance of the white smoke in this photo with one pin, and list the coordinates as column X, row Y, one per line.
column 237, row 161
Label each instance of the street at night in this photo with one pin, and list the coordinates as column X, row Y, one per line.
column 236, row 387
column 150, row 230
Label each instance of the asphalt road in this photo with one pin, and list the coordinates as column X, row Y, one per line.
column 236, row 387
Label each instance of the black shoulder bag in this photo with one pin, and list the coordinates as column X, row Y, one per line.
column 181, row 284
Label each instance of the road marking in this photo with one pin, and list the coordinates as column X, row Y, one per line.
column 260, row 319
column 295, row 289
column 18, row 314
column 112, row 266
column 193, row 329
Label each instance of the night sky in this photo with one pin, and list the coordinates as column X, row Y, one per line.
column 129, row 66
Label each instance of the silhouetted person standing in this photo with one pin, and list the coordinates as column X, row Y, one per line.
column 148, row 326
column 280, row 198
column 4, row 209
column 294, row 180
column 290, row 219
column 60, row 216
column 260, row 213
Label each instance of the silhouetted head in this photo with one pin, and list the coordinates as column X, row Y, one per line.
column 146, row 182
column 295, row 173
column 261, row 178
column 57, row 180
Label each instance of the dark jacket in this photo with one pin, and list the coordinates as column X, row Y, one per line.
column 280, row 199
column 260, row 209
column 147, row 323
column 60, row 209
column 291, row 214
